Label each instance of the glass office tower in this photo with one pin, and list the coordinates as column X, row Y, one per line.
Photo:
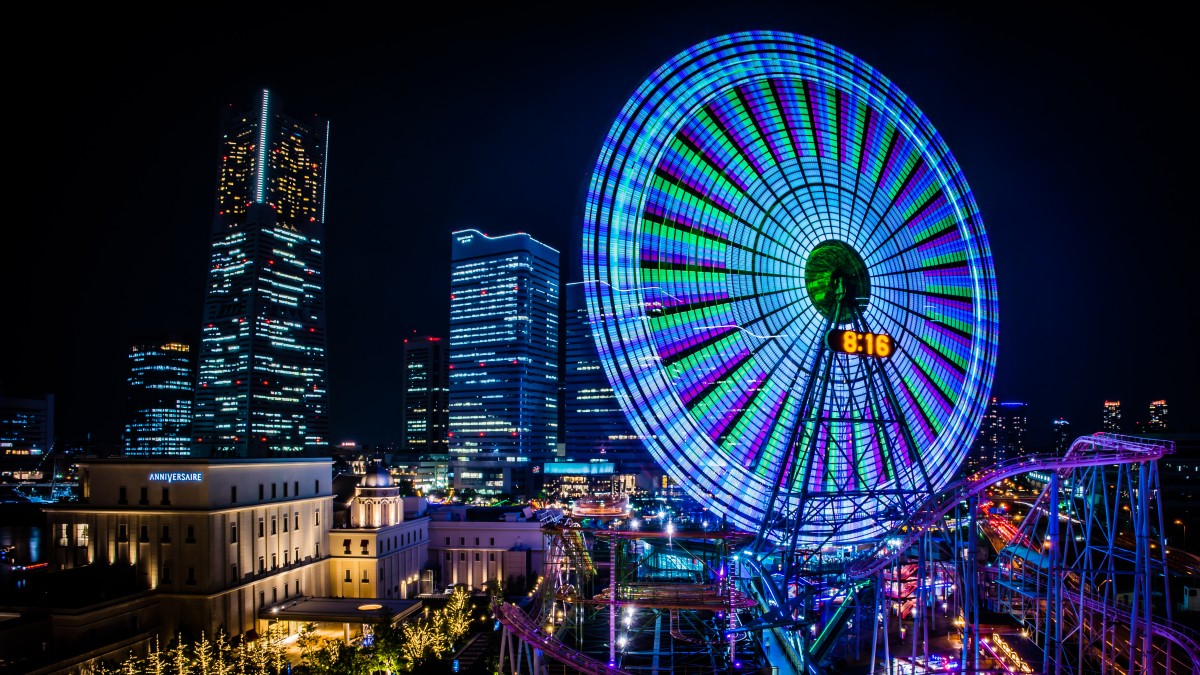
column 159, row 391
column 261, row 388
column 425, row 415
column 596, row 426
column 503, row 360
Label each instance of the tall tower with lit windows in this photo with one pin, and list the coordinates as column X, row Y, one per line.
column 1157, row 423
column 1111, row 421
column 424, row 417
column 159, row 393
column 261, row 387
column 503, row 360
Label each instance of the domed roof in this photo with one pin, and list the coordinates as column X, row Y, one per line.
column 376, row 477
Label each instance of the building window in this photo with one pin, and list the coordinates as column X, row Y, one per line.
column 166, row 574
column 233, row 533
column 296, row 491
column 297, row 520
column 166, row 535
column 274, row 594
column 476, row 541
column 260, row 492
column 273, row 488
column 233, row 575
column 145, row 496
column 348, row 579
column 285, row 497
column 286, row 586
column 447, row 557
column 262, row 599
column 447, row 541
column 297, row 554
column 122, row 533
column 318, row 548
column 366, row 578
column 317, row 518
column 232, row 494
column 191, row 576
column 346, row 543
column 122, row 497
column 166, row 496
column 462, row 541
column 262, row 564
column 462, row 556
column 364, row 546
column 287, row 559
column 262, row 531
column 191, row 534
column 491, row 557
column 274, row 561
column 317, row 486
column 145, row 534
column 274, row 525
column 477, row 556
column 491, row 541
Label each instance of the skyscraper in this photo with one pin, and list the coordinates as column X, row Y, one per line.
column 503, row 360
column 1111, row 421
column 26, row 436
column 261, row 389
column 159, row 392
column 425, row 415
column 1002, row 434
column 1062, row 436
column 1157, row 423
column 596, row 426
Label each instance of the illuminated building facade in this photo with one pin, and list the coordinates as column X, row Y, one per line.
column 1002, row 434
column 596, row 427
column 261, row 389
column 159, row 392
column 380, row 551
column 26, row 436
column 503, row 360
column 1062, row 435
column 221, row 540
column 426, row 414
column 1111, row 421
column 1157, row 422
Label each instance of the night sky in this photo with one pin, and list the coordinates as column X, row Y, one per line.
column 1072, row 128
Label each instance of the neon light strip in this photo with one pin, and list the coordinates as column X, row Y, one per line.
column 324, row 172
column 260, row 175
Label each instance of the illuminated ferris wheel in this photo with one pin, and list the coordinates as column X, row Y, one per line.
column 791, row 288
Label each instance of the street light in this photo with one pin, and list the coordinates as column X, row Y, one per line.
column 1184, row 526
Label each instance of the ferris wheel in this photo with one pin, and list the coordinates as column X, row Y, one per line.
column 790, row 287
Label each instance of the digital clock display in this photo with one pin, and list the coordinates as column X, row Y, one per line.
column 866, row 344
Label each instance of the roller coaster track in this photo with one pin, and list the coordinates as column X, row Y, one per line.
column 1086, row 451
column 516, row 620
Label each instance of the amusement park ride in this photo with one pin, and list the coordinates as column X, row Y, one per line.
column 793, row 296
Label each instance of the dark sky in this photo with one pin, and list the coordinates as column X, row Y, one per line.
column 1071, row 126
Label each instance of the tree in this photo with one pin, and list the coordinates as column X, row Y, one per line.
column 456, row 615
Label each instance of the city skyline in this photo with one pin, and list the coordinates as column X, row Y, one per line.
column 499, row 130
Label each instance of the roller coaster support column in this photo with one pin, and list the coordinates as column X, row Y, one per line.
column 970, row 587
column 613, row 608
column 1053, row 561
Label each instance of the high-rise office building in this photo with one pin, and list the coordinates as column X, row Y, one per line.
column 1002, row 434
column 595, row 425
column 1157, row 422
column 1062, row 436
column 261, row 389
column 503, row 360
column 159, row 392
column 425, row 416
column 26, row 436
column 1111, row 421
